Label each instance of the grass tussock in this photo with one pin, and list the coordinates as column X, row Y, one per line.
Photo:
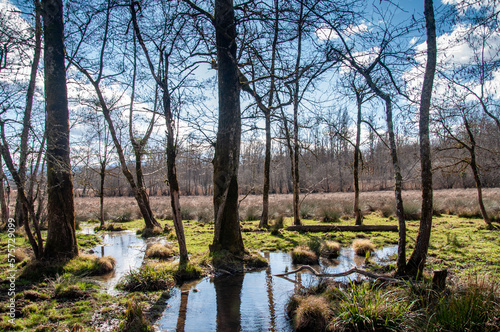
column 160, row 251
column 135, row 320
column 187, row 271
column 84, row 265
column 304, row 255
column 472, row 305
column 363, row 247
column 72, row 288
column 148, row 278
column 150, row 232
column 225, row 261
column 312, row 314
column 20, row 255
column 330, row 249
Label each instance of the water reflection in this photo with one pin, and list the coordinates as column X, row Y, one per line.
column 128, row 251
column 228, row 293
column 249, row 302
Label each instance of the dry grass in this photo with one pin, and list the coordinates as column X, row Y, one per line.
column 451, row 201
column 330, row 249
column 160, row 251
column 362, row 247
column 304, row 255
column 20, row 254
column 313, row 314
column 105, row 264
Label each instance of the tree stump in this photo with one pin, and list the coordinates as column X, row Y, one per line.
column 439, row 280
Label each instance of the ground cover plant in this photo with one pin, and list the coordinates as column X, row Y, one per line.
column 65, row 296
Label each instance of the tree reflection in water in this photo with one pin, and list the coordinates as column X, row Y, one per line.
column 228, row 290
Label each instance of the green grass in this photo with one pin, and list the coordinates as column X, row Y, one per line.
column 462, row 245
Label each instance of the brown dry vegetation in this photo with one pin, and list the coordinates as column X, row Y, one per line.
column 460, row 202
column 362, row 246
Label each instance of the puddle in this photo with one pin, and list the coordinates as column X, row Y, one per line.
column 253, row 301
column 127, row 249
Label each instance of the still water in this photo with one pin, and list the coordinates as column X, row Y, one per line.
column 254, row 301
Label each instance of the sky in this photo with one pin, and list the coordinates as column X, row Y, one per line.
column 451, row 53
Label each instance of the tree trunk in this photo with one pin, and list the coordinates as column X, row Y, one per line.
column 417, row 260
column 398, row 188
column 3, row 201
column 61, row 237
column 475, row 172
column 172, row 175
column 20, row 212
column 355, row 171
column 227, row 233
column 102, row 176
column 296, row 152
column 264, row 219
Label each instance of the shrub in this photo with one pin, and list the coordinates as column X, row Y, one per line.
column 312, row 314
column 187, row 213
column 135, row 321
column 363, row 247
column 314, row 244
column 160, row 251
column 303, row 255
column 306, row 211
column 205, row 215
column 412, row 211
column 330, row 249
column 125, row 216
column 252, row 213
column 150, row 277
column 277, row 224
column 329, row 215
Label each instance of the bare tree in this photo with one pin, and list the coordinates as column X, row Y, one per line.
column 163, row 81
column 416, row 263
column 61, row 236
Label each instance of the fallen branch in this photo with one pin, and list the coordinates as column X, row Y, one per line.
column 341, row 274
column 343, row 228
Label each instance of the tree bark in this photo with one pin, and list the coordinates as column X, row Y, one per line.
column 227, row 233
column 102, row 177
column 61, row 237
column 172, row 174
column 3, row 200
column 163, row 83
column 295, row 160
column 20, row 212
column 417, row 260
column 355, row 171
column 264, row 219
column 475, row 172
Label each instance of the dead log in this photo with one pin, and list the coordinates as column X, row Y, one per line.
column 343, row 228
column 342, row 274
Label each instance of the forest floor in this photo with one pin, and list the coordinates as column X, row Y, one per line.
column 64, row 298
